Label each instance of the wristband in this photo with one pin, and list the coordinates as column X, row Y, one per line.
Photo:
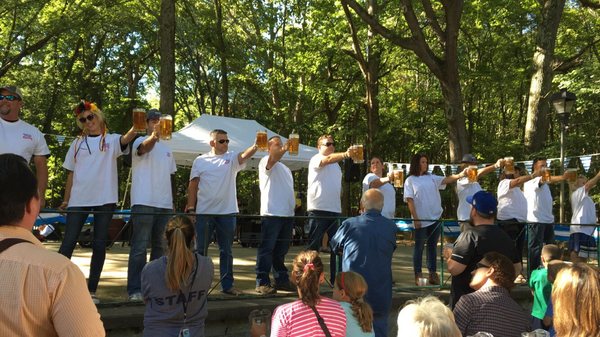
column 190, row 209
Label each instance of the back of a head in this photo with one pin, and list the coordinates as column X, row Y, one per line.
column 551, row 252
column 306, row 273
column 18, row 186
column 372, row 199
column 576, row 299
column 504, row 271
column 180, row 257
column 355, row 287
column 427, row 317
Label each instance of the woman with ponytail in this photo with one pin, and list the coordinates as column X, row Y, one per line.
column 175, row 286
column 349, row 289
column 312, row 314
column 91, row 165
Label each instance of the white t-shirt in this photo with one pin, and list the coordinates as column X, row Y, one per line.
column 276, row 189
column 584, row 212
column 539, row 201
column 511, row 202
column 324, row 186
column 23, row 139
column 151, row 175
column 217, row 193
column 94, row 171
column 389, row 195
column 465, row 189
column 426, row 197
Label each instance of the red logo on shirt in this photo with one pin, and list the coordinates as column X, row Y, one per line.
column 27, row 136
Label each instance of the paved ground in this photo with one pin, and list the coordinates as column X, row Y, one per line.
column 112, row 287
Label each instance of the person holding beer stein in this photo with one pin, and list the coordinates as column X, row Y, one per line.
column 540, row 229
column 376, row 179
column 152, row 165
column 512, row 207
column 468, row 185
column 91, row 163
column 212, row 190
column 425, row 206
column 324, row 195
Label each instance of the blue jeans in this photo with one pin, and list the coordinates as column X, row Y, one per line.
column 224, row 226
column 275, row 239
column 431, row 235
column 146, row 228
column 73, row 227
column 537, row 235
column 317, row 228
column 516, row 231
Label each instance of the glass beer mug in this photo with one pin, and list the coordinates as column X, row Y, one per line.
column 166, row 127
column 294, row 143
column 472, row 173
column 261, row 140
column 139, row 120
column 509, row 165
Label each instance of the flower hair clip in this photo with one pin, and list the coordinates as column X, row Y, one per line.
column 84, row 106
column 308, row 266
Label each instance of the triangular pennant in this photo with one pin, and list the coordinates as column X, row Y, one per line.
column 586, row 161
column 60, row 139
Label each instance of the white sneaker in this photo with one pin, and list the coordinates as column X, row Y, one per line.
column 136, row 297
column 94, row 298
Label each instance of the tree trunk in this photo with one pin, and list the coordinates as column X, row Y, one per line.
column 538, row 107
column 167, row 57
column 222, row 52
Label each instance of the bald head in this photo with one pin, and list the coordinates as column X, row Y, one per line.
column 372, row 199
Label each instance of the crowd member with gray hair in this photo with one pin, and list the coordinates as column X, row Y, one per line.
column 427, row 317
column 367, row 243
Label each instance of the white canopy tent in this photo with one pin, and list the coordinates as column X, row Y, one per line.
column 194, row 140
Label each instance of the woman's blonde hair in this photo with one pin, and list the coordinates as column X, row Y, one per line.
column 427, row 317
column 576, row 300
column 93, row 109
column 355, row 287
column 180, row 257
column 306, row 273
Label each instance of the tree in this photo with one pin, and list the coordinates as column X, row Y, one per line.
column 167, row 56
column 443, row 64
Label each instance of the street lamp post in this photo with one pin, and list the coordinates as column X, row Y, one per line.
column 563, row 102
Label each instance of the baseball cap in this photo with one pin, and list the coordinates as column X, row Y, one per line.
column 153, row 114
column 468, row 158
column 13, row 90
column 484, row 202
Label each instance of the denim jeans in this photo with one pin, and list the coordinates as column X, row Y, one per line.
column 431, row 236
column 537, row 235
column 275, row 239
column 224, row 226
column 73, row 227
column 146, row 228
column 317, row 228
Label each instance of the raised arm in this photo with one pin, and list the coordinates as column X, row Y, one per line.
column 247, row 154
column 592, row 182
column 491, row 168
column 335, row 157
column 128, row 137
column 276, row 155
column 148, row 144
column 454, row 177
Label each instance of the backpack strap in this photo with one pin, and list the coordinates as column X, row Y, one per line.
column 7, row 243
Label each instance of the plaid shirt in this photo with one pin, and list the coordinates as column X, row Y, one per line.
column 491, row 309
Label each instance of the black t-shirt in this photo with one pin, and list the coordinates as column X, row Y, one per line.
column 469, row 249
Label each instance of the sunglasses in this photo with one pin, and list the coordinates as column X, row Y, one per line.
column 328, row 144
column 481, row 265
column 9, row 98
column 88, row 118
column 223, row 141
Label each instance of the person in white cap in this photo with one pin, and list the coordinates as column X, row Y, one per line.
column 21, row 138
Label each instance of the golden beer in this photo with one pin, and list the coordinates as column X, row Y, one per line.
column 546, row 173
column 509, row 165
column 261, row 140
column 398, row 178
column 166, row 127
column 294, row 143
column 139, row 120
column 472, row 173
column 571, row 175
column 357, row 154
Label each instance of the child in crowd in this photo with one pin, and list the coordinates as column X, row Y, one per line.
column 541, row 288
column 553, row 267
column 349, row 289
